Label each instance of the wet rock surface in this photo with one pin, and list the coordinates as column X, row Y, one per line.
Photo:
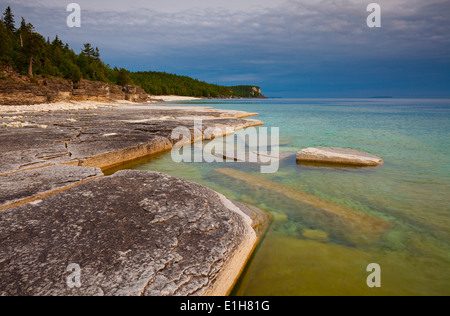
column 134, row 233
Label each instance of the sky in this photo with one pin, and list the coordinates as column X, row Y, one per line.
column 291, row 48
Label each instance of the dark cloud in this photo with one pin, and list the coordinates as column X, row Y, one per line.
column 323, row 46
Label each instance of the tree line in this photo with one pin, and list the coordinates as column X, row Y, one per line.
column 160, row 83
column 29, row 53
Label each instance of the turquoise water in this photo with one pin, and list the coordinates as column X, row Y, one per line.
column 309, row 251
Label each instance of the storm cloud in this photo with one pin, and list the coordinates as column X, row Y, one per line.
column 290, row 48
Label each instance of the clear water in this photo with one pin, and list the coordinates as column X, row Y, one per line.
column 309, row 252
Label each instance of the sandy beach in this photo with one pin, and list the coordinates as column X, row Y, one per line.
column 173, row 98
column 86, row 105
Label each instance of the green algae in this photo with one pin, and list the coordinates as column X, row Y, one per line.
column 290, row 266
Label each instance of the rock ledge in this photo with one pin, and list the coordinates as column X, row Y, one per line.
column 134, row 233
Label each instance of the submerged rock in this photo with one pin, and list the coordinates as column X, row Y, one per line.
column 334, row 155
column 367, row 226
column 279, row 217
column 316, row 235
column 258, row 157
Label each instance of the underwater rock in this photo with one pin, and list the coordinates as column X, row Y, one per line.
column 279, row 217
column 365, row 224
column 316, row 235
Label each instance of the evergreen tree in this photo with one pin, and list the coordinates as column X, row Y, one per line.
column 76, row 74
column 5, row 45
column 8, row 20
column 88, row 50
column 57, row 42
column 123, row 78
column 30, row 53
column 96, row 54
column 30, row 44
column 22, row 31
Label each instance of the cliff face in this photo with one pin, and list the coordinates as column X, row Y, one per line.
column 255, row 91
column 247, row 92
column 20, row 90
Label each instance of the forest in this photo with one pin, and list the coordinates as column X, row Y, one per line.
column 31, row 54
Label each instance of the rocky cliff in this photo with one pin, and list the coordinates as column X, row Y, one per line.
column 16, row 89
column 247, row 92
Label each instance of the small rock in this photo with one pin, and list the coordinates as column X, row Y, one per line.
column 338, row 156
column 279, row 217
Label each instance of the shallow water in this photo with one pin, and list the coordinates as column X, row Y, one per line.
column 309, row 251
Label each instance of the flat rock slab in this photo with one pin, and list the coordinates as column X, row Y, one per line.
column 100, row 137
column 334, row 155
column 26, row 186
column 133, row 233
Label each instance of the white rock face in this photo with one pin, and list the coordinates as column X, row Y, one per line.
column 338, row 156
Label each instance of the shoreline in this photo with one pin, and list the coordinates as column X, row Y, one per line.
column 92, row 105
column 173, row 98
column 16, row 89
column 82, row 151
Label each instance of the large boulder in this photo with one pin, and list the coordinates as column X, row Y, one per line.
column 333, row 155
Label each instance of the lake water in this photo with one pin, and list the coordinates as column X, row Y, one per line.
column 312, row 251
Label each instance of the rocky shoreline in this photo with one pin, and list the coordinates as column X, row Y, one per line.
column 16, row 89
column 133, row 233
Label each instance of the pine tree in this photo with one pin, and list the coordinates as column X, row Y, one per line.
column 22, row 31
column 96, row 54
column 88, row 50
column 57, row 42
column 123, row 78
column 29, row 43
column 8, row 20
column 5, row 44
column 76, row 74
